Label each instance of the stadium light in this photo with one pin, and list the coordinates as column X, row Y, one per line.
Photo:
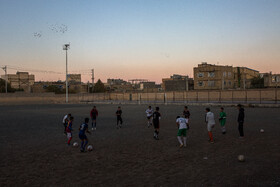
column 66, row 47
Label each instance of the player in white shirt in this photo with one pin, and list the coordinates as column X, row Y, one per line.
column 182, row 130
column 149, row 113
column 210, row 121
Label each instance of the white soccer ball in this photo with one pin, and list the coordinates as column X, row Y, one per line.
column 75, row 144
column 241, row 158
column 89, row 148
column 262, row 131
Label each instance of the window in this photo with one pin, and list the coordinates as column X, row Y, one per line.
column 229, row 83
column 200, row 74
column 225, row 83
column 229, row 74
column 200, row 83
column 224, row 74
column 211, row 83
column 211, row 74
column 273, row 79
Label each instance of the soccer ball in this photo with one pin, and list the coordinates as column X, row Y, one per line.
column 75, row 144
column 89, row 148
column 262, row 131
column 241, row 158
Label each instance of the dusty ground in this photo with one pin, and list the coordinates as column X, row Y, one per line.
column 34, row 151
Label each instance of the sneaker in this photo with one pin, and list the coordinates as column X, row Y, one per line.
column 224, row 132
column 92, row 129
column 211, row 141
column 95, row 128
column 181, row 145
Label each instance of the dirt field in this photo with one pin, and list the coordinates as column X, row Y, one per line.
column 33, row 150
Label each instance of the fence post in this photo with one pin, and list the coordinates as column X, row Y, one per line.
column 165, row 99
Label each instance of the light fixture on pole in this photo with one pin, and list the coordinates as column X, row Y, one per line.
column 66, row 47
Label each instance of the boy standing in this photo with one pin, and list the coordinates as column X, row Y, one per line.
column 210, row 121
column 182, row 130
column 149, row 113
column 93, row 115
column 240, row 120
column 69, row 130
column 119, row 117
column 82, row 134
column 156, row 118
column 222, row 120
column 65, row 121
column 187, row 114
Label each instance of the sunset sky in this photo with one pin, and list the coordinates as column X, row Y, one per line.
column 128, row 39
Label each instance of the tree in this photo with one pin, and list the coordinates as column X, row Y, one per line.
column 257, row 82
column 3, row 87
column 99, row 87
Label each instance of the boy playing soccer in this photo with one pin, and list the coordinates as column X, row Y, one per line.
column 222, row 120
column 82, row 134
column 65, row 121
column 182, row 130
column 187, row 114
column 240, row 120
column 156, row 118
column 69, row 130
column 210, row 121
column 93, row 115
column 119, row 117
column 149, row 113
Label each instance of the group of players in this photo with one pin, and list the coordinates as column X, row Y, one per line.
column 153, row 118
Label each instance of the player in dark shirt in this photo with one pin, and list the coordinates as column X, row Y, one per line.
column 93, row 115
column 82, row 134
column 186, row 114
column 240, row 120
column 156, row 118
column 119, row 117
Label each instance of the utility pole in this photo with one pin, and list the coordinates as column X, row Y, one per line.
column 244, row 79
column 6, row 81
column 223, row 81
column 92, row 78
column 66, row 47
column 187, row 83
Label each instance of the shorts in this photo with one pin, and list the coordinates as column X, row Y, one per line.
column 82, row 136
column 93, row 118
column 149, row 117
column 210, row 127
column 182, row 132
column 69, row 134
column 156, row 124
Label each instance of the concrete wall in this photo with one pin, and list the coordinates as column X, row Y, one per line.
column 242, row 96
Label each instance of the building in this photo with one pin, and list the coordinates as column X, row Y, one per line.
column 118, row 85
column 271, row 80
column 177, row 83
column 243, row 76
column 74, row 78
column 20, row 80
column 150, row 87
column 213, row 77
column 217, row 77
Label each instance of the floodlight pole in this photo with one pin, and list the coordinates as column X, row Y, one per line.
column 66, row 47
